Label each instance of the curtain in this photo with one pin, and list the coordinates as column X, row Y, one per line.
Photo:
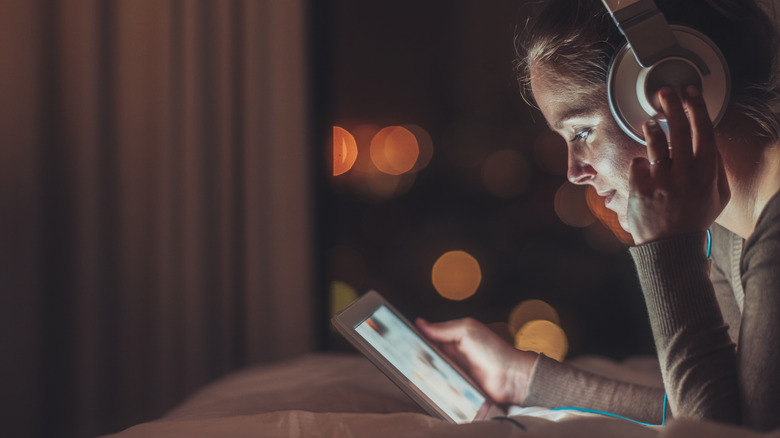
column 157, row 228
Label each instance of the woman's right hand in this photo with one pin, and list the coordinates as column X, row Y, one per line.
column 501, row 370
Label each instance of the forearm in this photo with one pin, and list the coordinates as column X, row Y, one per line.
column 554, row 384
column 697, row 357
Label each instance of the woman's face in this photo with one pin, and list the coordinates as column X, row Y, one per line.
column 599, row 152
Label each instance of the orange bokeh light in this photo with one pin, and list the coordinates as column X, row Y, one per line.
column 456, row 275
column 345, row 150
column 394, row 150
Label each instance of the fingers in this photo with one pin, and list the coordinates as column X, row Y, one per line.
column 679, row 126
column 702, row 133
column 657, row 146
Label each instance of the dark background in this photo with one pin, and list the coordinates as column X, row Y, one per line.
column 448, row 68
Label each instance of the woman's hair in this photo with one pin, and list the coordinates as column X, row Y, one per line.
column 576, row 39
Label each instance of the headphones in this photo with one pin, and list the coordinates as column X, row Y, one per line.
column 657, row 55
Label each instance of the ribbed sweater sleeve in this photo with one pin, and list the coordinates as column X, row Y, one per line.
column 555, row 384
column 696, row 354
column 758, row 353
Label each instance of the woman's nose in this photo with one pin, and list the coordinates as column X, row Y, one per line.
column 579, row 171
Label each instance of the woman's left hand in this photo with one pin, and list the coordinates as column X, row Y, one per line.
column 681, row 187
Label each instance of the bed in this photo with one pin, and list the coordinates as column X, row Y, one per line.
column 342, row 395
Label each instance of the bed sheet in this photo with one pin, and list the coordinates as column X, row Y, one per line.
column 329, row 395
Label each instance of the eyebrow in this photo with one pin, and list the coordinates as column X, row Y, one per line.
column 579, row 111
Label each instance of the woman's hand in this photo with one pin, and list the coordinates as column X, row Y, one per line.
column 681, row 187
column 501, row 370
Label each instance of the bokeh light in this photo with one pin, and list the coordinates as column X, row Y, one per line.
column 606, row 216
column 550, row 152
column 542, row 336
column 341, row 296
column 571, row 206
column 394, row 150
column 456, row 275
column 506, row 174
column 425, row 145
column 530, row 310
column 345, row 151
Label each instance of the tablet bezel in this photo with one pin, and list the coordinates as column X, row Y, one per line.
column 348, row 319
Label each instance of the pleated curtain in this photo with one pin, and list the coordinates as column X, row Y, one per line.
column 157, row 214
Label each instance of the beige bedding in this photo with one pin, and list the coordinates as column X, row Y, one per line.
column 346, row 396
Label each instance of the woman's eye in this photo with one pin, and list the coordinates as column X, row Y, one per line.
column 582, row 135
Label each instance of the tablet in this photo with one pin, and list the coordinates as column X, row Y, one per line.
column 405, row 356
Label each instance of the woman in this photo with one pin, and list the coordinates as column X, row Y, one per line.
column 716, row 325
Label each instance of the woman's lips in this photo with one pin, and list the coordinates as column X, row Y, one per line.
column 607, row 196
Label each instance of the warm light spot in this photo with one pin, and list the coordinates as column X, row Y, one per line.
column 550, row 152
column 345, row 150
column 606, row 216
column 572, row 207
column 456, row 275
column 530, row 310
column 425, row 145
column 506, row 174
column 394, row 150
column 341, row 296
column 544, row 337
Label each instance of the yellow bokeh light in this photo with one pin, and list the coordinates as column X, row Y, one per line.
column 572, row 207
column 456, row 275
column 345, row 150
column 394, row 150
column 530, row 310
column 341, row 296
column 542, row 336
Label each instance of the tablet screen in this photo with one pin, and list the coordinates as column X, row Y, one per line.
column 421, row 365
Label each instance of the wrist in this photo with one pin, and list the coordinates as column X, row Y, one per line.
column 518, row 376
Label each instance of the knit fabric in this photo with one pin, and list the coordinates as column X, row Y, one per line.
column 716, row 328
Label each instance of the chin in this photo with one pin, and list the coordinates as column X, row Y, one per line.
column 623, row 220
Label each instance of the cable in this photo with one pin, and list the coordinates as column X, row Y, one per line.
column 511, row 420
column 609, row 414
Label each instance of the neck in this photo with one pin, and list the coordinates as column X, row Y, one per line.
column 753, row 169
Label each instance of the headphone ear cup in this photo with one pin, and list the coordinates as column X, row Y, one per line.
column 629, row 91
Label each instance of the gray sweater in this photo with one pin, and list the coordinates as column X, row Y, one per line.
column 716, row 328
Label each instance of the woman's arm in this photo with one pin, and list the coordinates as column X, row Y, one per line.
column 525, row 378
column 758, row 358
column 697, row 356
